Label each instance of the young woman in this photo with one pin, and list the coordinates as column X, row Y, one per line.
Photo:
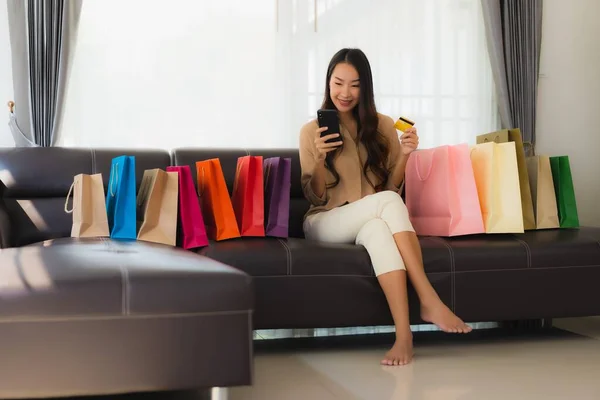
column 353, row 186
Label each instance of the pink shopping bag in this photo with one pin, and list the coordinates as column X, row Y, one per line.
column 192, row 231
column 441, row 195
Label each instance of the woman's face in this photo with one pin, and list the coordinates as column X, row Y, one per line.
column 344, row 87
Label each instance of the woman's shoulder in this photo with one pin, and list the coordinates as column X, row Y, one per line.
column 307, row 130
column 386, row 124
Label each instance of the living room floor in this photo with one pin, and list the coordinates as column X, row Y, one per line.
column 557, row 363
column 491, row 364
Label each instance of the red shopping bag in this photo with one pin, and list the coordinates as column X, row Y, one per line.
column 248, row 197
column 191, row 224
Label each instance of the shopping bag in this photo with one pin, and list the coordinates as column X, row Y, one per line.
column 278, row 174
column 440, row 192
column 514, row 135
column 89, row 209
column 497, row 179
column 157, row 207
column 248, row 196
column 121, row 199
column 217, row 210
column 565, row 192
column 542, row 192
column 191, row 229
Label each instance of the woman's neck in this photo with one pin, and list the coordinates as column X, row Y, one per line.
column 347, row 119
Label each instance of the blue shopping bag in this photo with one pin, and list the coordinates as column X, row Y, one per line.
column 121, row 199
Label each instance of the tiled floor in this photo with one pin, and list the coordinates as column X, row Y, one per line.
column 486, row 366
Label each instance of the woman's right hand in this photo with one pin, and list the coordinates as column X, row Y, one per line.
column 324, row 148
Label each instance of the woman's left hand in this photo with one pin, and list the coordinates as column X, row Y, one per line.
column 409, row 141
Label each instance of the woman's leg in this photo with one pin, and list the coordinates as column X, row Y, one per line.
column 432, row 308
column 360, row 222
column 377, row 238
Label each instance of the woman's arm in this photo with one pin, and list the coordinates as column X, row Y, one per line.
column 313, row 171
column 397, row 157
column 398, row 171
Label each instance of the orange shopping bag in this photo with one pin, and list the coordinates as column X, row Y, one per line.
column 217, row 210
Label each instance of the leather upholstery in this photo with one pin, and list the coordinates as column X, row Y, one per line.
column 138, row 316
column 99, row 277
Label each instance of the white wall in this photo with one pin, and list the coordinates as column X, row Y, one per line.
column 568, row 120
column 6, row 88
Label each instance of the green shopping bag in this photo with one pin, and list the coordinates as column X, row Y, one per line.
column 565, row 192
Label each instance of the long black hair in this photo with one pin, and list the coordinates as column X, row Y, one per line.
column 366, row 117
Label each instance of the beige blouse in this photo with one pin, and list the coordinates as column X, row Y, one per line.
column 349, row 164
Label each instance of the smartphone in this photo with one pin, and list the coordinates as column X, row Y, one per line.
column 330, row 119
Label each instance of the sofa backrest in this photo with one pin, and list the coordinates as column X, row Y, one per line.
column 228, row 159
column 34, row 183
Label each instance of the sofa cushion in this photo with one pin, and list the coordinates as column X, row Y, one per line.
column 262, row 257
column 102, row 277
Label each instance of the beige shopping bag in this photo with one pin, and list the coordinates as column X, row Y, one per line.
column 497, row 180
column 542, row 192
column 89, row 206
column 157, row 207
column 514, row 135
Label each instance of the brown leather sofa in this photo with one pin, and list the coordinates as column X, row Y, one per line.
column 97, row 316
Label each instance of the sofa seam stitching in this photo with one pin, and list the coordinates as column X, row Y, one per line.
column 452, row 272
column 430, row 273
column 130, row 316
column 289, row 256
column 527, row 249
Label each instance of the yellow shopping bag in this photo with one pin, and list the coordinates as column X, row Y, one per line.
column 497, row 180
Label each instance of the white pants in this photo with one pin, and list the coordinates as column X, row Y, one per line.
column 371, row 221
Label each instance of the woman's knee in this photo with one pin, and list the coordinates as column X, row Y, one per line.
column 378, row 240
column 388, row 196
column 391, row 208
column 373, row 231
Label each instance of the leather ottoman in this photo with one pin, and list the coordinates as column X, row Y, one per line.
column 82, row 316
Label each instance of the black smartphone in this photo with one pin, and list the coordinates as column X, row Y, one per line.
column 330, row 119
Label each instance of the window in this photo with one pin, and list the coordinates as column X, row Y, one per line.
column 238, row 73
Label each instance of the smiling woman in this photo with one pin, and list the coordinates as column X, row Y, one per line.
column 235, row 73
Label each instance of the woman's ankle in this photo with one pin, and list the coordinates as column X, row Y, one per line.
column 403, row 333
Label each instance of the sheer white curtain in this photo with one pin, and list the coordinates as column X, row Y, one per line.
column 6, row 87
column 239, row 73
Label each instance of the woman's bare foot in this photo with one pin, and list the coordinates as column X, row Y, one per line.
column 402, row 351
column 439, row 314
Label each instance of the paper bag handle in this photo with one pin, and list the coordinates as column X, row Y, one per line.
column 531, row 147
column 114, row 176
column 416, row 154
column 67, row 199
column 496, row 139
column 201, row 192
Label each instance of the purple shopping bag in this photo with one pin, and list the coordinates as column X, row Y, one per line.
column 278, row 173
column 191, row 224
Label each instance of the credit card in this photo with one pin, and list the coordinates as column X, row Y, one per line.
column 403, row 124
